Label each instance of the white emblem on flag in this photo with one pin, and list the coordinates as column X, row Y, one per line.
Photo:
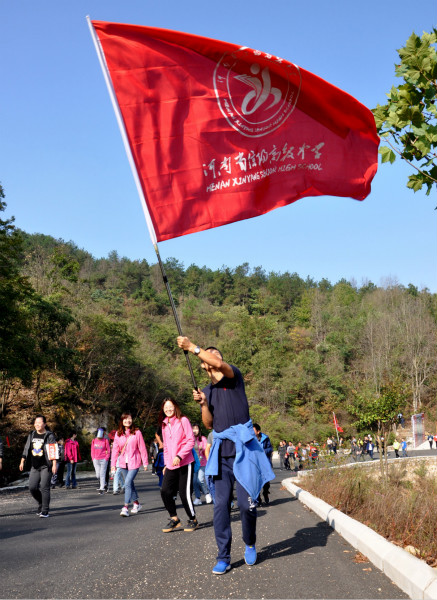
column 253, row 97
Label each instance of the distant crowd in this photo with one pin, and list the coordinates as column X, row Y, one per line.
column 301, row 455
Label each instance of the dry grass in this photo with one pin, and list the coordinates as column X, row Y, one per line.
column 403, row 509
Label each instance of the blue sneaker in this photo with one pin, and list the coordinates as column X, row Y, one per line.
column 250, row 555
column 221, row 567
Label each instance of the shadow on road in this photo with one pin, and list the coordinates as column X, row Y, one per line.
column 278, row 501
column 303, row 540
column 5, row 535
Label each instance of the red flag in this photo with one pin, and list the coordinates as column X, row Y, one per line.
column 336, row 425
column 220, row 133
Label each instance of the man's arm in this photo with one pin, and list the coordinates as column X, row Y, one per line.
column 207, row 357
column 25, row 452
column 200, row 398
column 207, row 450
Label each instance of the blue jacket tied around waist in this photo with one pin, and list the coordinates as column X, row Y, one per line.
column 251, row 466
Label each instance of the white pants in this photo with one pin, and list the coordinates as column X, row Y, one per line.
column 100, row 466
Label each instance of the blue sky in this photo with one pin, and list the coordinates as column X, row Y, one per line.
column 65, row 173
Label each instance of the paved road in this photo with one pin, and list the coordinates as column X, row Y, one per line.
column 86, row 550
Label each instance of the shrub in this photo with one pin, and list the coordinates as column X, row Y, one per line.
column 402, row 509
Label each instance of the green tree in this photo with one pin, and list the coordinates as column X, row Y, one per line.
column 407, row 123
column 221, row 286
column 106, row 365
column 31, row 327
column 48, row 321
column 379, row 411
column 15, row 289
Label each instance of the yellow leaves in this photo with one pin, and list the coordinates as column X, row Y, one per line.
column 301, row 338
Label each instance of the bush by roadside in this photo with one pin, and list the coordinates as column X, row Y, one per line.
column 402, row 508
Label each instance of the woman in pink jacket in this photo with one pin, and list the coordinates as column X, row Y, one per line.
column 178, row 440
column 100, row 455
column 130, row 446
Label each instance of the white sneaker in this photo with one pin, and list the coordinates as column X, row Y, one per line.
column 135, row 509
column 197, row 501
column 124, row 512
column 208, row 498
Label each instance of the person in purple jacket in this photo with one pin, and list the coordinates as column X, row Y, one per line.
column 130, row 447
column 178, row 440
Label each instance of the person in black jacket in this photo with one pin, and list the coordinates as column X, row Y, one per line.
column 40, row 455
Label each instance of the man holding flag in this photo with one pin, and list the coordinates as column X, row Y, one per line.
column 235, row 456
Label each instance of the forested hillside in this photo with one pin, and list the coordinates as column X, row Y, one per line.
column 81, row 335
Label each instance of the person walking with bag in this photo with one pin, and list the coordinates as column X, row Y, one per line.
column 178, row 440
column 40, row 455
column 130, row 447
column 100, row 455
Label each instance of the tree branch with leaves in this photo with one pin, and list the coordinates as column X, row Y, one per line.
column 408, row 122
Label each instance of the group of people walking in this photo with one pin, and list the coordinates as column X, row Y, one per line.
column 296, row 456
column 367, row 445
column 236, row 454
column 361, row 447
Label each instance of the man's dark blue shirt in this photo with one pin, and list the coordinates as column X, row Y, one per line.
column 228, row 405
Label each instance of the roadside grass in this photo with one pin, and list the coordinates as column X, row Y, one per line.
column 402, row 507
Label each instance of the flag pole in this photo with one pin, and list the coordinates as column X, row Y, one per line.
column 336, row 430
column 175, row 314
column 140, row 190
